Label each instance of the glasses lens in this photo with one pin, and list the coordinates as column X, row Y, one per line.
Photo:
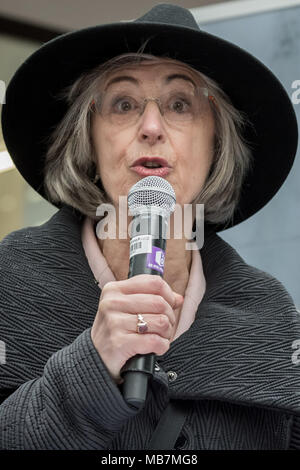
column 177, row 105
column 182, row 106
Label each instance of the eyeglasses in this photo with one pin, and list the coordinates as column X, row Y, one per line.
column 176, row 106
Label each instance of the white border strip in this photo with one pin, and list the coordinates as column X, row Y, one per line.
column 223, row 11
column 6, row 162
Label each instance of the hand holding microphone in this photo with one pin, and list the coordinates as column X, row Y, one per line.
column 114, row 329
column 150, row 201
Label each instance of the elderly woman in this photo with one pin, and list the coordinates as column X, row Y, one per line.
column 85, row 115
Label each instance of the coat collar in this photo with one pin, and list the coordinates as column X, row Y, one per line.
column 239, row 348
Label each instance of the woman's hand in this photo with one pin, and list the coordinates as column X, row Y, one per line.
column 114, row 329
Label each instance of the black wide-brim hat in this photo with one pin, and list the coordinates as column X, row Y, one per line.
column 31, row 111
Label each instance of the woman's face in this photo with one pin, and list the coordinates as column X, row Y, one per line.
column 186, row 144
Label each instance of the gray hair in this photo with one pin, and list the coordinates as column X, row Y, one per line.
column 70, row 162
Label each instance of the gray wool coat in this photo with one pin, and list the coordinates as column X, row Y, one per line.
column 236, row 365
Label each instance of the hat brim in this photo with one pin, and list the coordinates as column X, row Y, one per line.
column 31, row 112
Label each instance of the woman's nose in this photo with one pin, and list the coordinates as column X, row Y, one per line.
column 151, row 124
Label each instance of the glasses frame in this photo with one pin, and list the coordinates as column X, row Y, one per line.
column 94, row 108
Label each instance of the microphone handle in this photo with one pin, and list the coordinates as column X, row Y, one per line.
column 139, row 368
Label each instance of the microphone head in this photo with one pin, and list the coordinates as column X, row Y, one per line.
column 152, row 193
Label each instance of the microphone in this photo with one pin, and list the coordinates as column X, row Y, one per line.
column 150, row 201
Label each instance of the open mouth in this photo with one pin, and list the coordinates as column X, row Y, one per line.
column 152, row 165
column 151, row 162
column 146, row 166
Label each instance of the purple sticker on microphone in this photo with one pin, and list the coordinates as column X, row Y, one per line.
column 156, row 259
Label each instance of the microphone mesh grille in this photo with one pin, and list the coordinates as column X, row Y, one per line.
column 152, row 191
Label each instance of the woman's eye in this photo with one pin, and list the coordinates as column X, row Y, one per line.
column 123, row 105
column 180, row 105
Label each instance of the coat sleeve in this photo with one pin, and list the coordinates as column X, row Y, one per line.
column 75, row 404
